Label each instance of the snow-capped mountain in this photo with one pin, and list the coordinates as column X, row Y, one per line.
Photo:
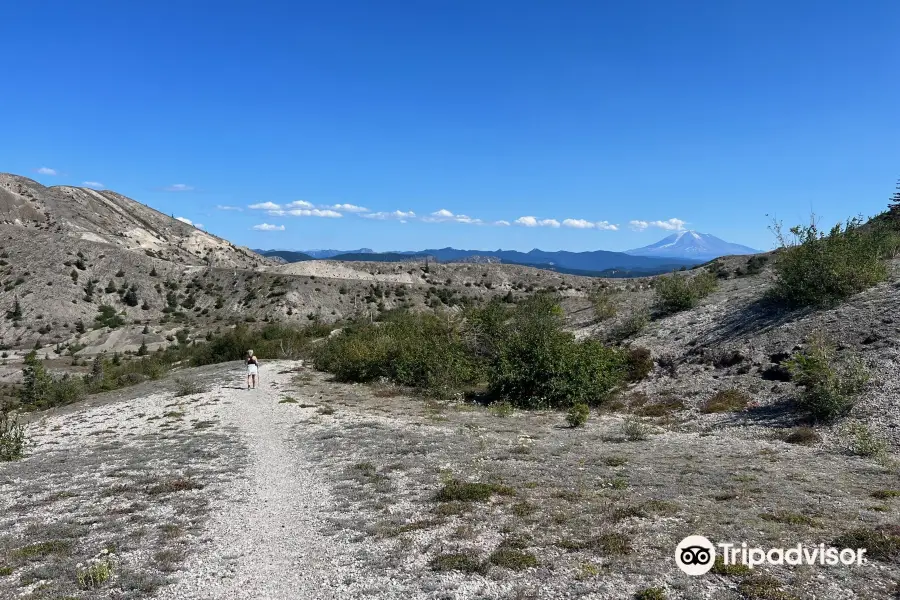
column 691, row 244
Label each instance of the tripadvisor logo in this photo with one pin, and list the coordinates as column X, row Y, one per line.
column 696, row 555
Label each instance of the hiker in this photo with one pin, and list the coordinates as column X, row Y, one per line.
column 252, row 369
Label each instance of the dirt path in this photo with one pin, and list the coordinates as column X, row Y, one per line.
column 263, row 540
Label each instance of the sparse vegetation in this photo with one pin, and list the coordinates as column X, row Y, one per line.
column 730, row 400
column 578, row 415
column 882, row 543
column 679, row 292
column 12, row 437
column 804, row 436
column 651, row 593
column 864, row 442
column 635, row 430
column 830, row 386
column 186, row 387
column 814, row 268
column 512, row 558
column 467, row 562
column 603, row 303
column 455, row 490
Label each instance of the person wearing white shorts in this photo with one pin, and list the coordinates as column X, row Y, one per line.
column 252, row 369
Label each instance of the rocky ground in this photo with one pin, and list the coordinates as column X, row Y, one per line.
column 306, row 488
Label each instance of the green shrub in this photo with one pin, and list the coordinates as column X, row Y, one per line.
column 818, row 269
column 108, row 317
column 12, row 437
column 533, row 363
column 682, row 292
column 830, row 387
column 42, row 390
column 638, row 363
column 418, row 350
column 631, row 326
column 578, row 415
column 635, row 430
column 186, row 387
column 864, row 442
column 603, row 302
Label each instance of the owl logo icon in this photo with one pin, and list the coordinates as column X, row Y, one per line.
column 695, row 555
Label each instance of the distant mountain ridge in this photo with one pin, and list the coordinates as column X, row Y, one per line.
column 691, row 245
column 593, row 263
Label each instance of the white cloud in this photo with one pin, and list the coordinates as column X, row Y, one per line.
column 92, row 184
column 578, row 224
column 583, row 224
column 534, row 222
column 502, row 223
column 669, row 224
column 268, row 227
column 445, row 216
column 300, row 204
column 306, row 212
column 199, row 225
column 397, row 214
column 178, row 187
column 264, row 206
column 46, row 171
column 183, row 220
column 349, row 208
column 226, row 207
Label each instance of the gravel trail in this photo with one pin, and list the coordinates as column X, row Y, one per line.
column 263, row 538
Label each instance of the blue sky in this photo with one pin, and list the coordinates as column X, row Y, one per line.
column 582, row 124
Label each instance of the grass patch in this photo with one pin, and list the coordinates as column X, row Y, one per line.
column 881, row 543
column 732, row 570
column 615, row 461
column 181, row 484
column 788, row 518
column 803, row 436
column 651, row 593
column 42, row 550
column 607, row 544
column 513, row 559
column 186, row 387
column 885, row 494
column 288, row 400
column 660, row 409
column 461, row 491
column 763, row 587
column 731, row 400
column 466, row 562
